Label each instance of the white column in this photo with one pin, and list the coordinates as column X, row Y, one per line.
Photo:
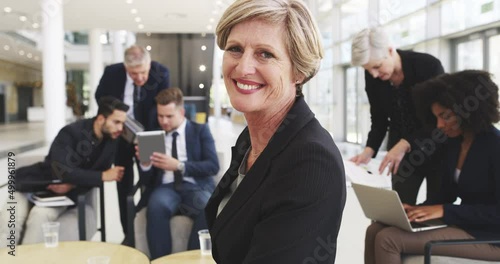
column 117, row 47
column 54, row 92
column 96, row 67
column 131, row 39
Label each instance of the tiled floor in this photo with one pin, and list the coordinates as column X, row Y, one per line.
column 18, row 137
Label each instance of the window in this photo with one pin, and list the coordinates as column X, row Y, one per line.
column 457, row 15
column 357, row 106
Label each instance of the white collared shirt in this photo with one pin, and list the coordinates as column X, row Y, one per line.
column 128, row 95
column 168, row 176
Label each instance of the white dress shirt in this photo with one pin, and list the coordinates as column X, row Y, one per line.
column 168, row 176
column 128, row 95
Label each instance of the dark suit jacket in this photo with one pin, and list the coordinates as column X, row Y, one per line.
column 288, row 207
column 77, row 157
column 113, row 81
column 202, row 163
column 417, row 67
column 478, row 186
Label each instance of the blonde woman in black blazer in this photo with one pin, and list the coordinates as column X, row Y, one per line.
column 282, row 198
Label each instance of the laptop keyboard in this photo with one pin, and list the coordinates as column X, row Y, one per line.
column 418, row 225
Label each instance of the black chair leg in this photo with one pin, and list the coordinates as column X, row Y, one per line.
column 81, row 217
column 103, row 218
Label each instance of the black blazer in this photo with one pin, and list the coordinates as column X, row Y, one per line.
column 417, row 67
column 478, row 186
column 77, row 157
column 113, row 81
column 288, row 207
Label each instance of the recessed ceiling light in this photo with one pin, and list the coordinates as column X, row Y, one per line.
column 21, row 52
column 209, row 27
column 173, row 15
column 129, row 1
column 201, row 86
column 35, row 25
column 203, row 47
column 7, row 9
column 29, row 55
column 6, row 47
column 211, row 20
column 203, row 68
column 137, row 19
column 140, row 26
column 148, row 47
column 133, row 11
column 219, row 2
column 23, row 18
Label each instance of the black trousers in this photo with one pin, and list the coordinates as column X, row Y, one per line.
column 125, row 157
column 406, row 182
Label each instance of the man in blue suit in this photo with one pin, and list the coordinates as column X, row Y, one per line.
column 183, row 179
column 136, row 82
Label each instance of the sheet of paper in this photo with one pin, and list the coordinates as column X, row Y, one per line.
column 366, row 174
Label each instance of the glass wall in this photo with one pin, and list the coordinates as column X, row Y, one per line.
column 447, row 29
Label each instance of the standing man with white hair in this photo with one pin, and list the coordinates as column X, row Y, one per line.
column 389, row 76
column 136, row 82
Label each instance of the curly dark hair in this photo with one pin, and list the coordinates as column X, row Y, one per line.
column 470, row 94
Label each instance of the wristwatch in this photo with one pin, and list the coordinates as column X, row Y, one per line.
column 181, row 166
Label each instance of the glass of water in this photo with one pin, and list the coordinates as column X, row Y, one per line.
column 51, row 234
column 205, row 242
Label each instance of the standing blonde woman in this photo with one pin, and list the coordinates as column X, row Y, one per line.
column 390, row 75
column 282, row 198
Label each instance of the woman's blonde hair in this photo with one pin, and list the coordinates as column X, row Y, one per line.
column 369, row 44
column 302, row 38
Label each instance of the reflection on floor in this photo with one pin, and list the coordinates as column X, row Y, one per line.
column 26, row 139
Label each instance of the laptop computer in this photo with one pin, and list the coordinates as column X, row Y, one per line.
column 384, row 206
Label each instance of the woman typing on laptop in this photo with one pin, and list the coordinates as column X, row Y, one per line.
column 463, row 106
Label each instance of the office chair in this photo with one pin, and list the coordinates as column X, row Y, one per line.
column 88, row 198
column 180, row 225
column 428, row 258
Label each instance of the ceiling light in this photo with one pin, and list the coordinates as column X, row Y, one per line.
column 129, row 1
column 21, row 52
column 29, row 55
column 201, row 86
column 209, row 27
column 148, row 47
column 203, row 68
column 7, row 9
column 211, row 20
column 35, row 25
column 219, row 2
column 137, row 19
column 203, row 47
column 23, row 18
column 6, row 47
column 133, row 11
column 103, row 39
column 140, row 26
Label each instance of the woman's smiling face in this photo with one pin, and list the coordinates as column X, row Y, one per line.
column 257, row 68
